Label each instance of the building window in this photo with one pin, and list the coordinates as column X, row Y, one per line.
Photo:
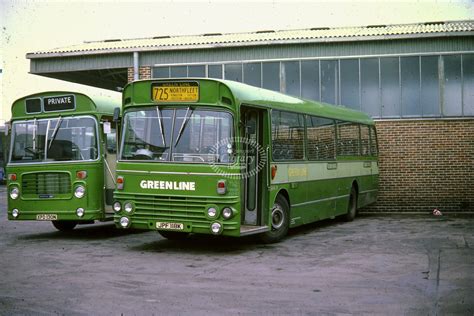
column 287, row 136
column 350, row 83
column 390, row 86
column 214, row 71
column 468, row 83
column 233, row 72
column 253, row 74
column 429, row 92
column 329, row 80
column 383, row 87
column 197, row 71
column 161, row 72
column 369, row 82
column 310, row 79
column 291, row 73
column 410, row 82
column 179, row 71
column 452, row 84
column 271, row 76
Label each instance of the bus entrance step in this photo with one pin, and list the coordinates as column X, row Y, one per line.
column 250, row 230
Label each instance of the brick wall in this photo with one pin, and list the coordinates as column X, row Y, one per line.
column 426, row 165
column 144, row 72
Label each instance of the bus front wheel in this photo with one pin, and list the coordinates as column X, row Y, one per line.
column 64, row 226
column 352, row 207
column 280, row 221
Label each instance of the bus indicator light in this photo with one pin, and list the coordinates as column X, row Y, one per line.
column 274, row 171
column 221, row 188
column 81, row 174
column 12, row 176
column 120, row 183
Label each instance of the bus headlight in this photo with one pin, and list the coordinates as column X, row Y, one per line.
column 14, row 193
column 212, row 212
column 80, row 212
column 79, row 191
column 124, row 222
column 15, row 213
column 117, row 206
column 128, row 207
column 227, row 212
column 216, row 228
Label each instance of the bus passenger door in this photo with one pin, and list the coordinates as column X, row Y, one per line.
column 110, row 163
column 254, row 166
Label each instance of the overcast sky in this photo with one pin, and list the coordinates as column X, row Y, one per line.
column 29, row 26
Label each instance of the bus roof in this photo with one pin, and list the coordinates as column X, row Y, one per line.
column 246, row 94
column 84, row 104
column 250, row 95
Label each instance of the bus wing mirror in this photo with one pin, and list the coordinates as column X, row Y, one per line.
column 7, row 128
column 116, row 115
column 107, row 128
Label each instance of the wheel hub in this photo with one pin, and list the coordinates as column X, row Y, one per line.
column 278, row 217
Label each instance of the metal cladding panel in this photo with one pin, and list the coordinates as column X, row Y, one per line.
column 322, row 50
column 374, row 32
column 78, row 63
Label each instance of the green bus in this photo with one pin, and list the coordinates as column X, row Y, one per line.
column 61, row 164
column 224, row 158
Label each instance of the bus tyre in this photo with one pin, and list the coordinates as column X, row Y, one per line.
column 352, row 206
column 64, row 226
column 173, row 235
column 280, row 221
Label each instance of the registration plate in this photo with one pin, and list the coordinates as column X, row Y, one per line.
column 175, row 92
column 170, row 226
column 46, row 217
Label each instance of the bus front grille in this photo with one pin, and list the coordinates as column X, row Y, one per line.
column 173, row 208
column 42, row 183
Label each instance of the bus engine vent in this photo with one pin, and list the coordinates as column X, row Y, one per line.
column 46, row 183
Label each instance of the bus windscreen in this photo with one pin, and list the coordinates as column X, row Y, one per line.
column 57, row 139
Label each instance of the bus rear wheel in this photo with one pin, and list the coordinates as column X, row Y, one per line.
column 173, row 235
column 280, row 221
column 352, row 206
column 64, row 226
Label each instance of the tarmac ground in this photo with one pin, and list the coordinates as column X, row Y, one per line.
column 390, row 265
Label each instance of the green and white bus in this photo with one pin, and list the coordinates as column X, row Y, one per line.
column 62, row 158
column 224, row 158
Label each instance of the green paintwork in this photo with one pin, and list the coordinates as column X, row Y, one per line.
column 328, row 183
column 63, row 205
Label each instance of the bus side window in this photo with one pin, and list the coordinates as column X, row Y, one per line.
column 287, row 136
column 365, row 140
column 373, row 142
column 111, row 141
column 347, row 139
column 321, row 137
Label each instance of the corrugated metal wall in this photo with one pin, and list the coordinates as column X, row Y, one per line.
column 349, row 48
column 79, row 63
column 366, row 48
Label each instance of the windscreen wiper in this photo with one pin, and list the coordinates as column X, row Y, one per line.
column 160, row 122
column 55, row 132
column 185, row 121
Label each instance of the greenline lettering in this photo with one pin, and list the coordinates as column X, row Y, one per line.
column 168, row 185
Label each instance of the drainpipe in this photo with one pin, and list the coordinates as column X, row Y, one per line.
column 135, row 66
